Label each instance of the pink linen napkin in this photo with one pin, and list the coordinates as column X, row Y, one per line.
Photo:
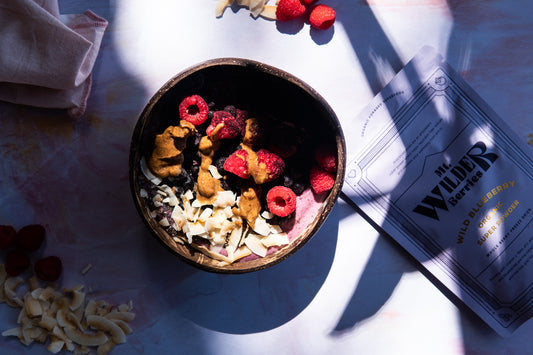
column 46, row 59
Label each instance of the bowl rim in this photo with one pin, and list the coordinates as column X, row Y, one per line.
column 328, row 203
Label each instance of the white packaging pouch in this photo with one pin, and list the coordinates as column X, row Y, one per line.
column 432, row 164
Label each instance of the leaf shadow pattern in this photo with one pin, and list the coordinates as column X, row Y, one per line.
column 379, row 60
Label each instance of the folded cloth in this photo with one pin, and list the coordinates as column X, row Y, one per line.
column 46, row 59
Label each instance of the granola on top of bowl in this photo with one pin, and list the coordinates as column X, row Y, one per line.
column 231, row 184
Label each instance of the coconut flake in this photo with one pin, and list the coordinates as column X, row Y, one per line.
column 196, row 203
column 146, row 172
column 214, row 172
column 256, row 7
column 178, row 215
column 275, row 229
column 196, row 229
column 275, row 240
column 261, row 226
column 234, row 238
column 254, row 243
column 224, row 199
column 221, row 5
column 228, row 211
column 267, row 215
column 164, row 222
column 188, row 195
column 206, row 213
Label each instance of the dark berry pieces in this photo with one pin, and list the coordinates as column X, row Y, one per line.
column 287, row 181
column 194, row 109
column 193, row 141
column 231, row 109
column 30, row 237
column 195, row 169
column 16, row 262
column 232, row 183
column 188, row 181
column 7, row 237
column 219, row 163
column 281, row 201
column 298, row 188
column 48, row 268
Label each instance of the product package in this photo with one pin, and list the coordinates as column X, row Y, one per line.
column 433, row 165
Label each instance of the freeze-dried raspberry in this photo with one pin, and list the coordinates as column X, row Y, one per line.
column 241, row 116
column 30, row 237
column 270, row 164
column 16, row 262
column 281, row 201
column 231, row 127
column 194, row 109
column 237, row 163
column 7, row 237
column 49, row 268
column 321, row 180
column 326, row 158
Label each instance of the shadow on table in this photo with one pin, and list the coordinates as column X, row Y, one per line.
column 262, row 300
column 378, row 57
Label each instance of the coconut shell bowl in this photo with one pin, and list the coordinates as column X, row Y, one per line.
column 287, row 119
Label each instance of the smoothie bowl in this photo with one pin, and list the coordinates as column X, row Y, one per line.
column 234, row 164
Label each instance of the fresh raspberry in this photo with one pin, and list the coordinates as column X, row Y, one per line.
column 7, row 237
column 321, row 180
column 231, row 127
column 237, row 163
column 326, row 158
column 48, row 269
column 281, row 201
column 271, row 164
column 16, row 262
column 322, row 17
column 289, row 10
column 194, row 109
column 308, row 2
column 30, row 237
